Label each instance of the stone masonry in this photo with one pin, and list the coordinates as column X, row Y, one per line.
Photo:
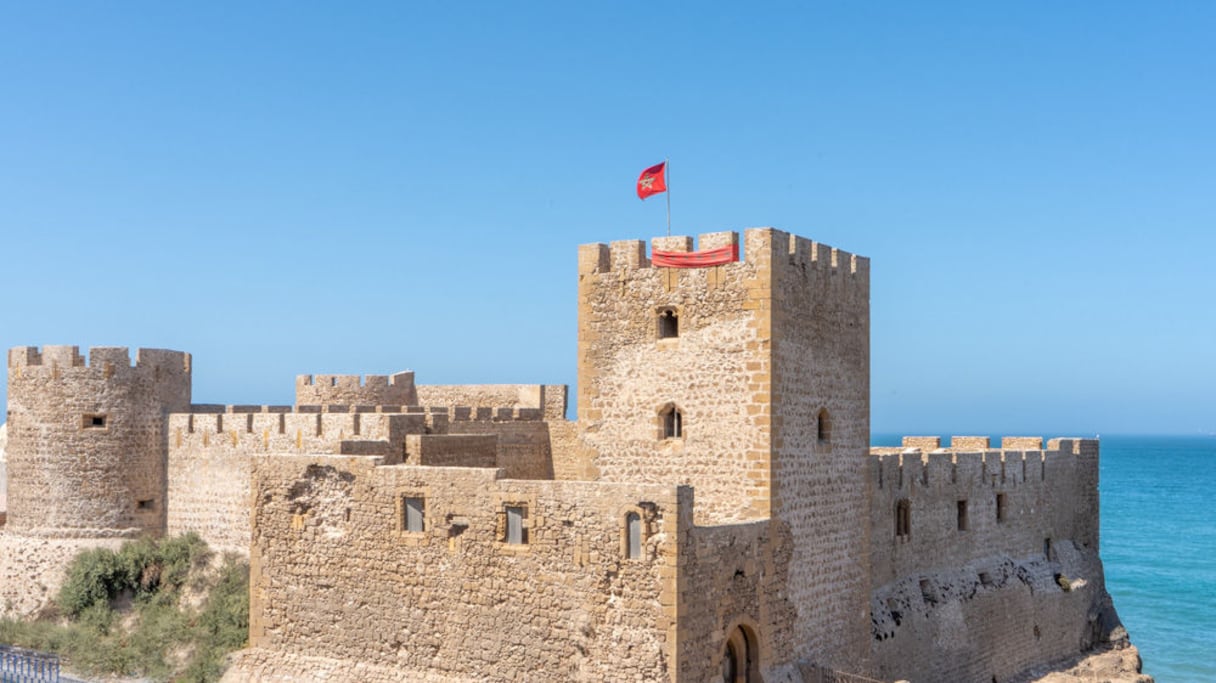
column 714, row 514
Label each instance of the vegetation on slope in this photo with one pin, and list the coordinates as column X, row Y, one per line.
column 167, row 609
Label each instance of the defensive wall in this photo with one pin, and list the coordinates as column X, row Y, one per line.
column 990, row 553
column 210, row 450
column 338, row 572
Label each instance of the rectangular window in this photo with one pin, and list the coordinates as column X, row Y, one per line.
column 633, row 525
column 962, row 515
column 517, row 534
column 415, row 514
column 148, row 504
column 93, row 421
column 1000, row 507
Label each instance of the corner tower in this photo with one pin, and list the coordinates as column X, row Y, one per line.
column 87, row 440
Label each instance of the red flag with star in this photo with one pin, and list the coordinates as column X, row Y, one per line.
column 652, row 181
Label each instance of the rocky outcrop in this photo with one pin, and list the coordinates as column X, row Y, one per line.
column 1117, row 663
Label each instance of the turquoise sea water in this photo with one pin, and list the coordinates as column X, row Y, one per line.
column 1159, row 548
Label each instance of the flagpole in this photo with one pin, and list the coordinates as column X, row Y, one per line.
column 667, row 172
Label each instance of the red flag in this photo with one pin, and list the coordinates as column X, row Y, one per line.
column 653, row 180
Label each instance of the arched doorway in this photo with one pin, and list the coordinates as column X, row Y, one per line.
column 739, row 659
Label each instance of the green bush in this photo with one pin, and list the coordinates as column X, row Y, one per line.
column 153, row 635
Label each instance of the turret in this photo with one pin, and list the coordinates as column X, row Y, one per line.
column 87, row 438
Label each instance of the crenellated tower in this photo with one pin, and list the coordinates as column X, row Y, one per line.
column 87, row 440
column 748, row 380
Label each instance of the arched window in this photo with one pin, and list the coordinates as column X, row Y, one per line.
column 903, row 518
column 823, row 426
column 672, row 422
column 633, row 532
column 669, row 323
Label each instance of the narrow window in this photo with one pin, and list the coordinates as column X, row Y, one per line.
column 415, row 514
column 93, row 421
column 903, row 518
column 824, row 426
column 1000, row 507
column 516, row 533
column 962, row 515
column 669, row 324
column 633, row 526
column 1047, row 548
column 148, row 504
column 673, row 423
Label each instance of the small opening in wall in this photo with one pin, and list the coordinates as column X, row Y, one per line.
column 669, row 323
column 823, row 426
column 1047, row 548
column 673, row 423
column 1000, row 507
column 985, row 578
column 94, row 421
column 633, row 526
column 149, row 504
column 414, row 509
column 926, row 592
column 962, row 515
column 903, row 518
column 517, row 532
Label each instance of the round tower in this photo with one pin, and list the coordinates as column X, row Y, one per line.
column 87, row 440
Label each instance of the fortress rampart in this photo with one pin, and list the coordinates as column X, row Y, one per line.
column 1000, row 545
column 564, row 598
column 356, row 390
column 211, row 449
column 950, row 506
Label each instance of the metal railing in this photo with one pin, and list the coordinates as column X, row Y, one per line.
column 18, row 665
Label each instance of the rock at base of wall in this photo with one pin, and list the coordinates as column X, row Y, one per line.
column 1118, row 663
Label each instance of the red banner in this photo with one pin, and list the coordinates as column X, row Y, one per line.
column 695, row 259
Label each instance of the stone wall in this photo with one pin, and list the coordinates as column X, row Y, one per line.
column 1046, row 498
column 629, row 377
column 995, row 592
column 32, row 568
column 550, row 398
column 820, row 421
column 335, row 572
column 371, row 390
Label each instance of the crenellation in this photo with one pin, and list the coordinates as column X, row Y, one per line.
column 1025, row 443
column 671, row 243
column 627, row 255
column 970, row 443
column 926, row 443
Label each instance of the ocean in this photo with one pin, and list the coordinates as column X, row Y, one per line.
column 1159, row 549
column 1158, row 546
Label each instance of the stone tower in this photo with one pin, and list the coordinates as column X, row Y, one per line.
column 750, row 382
column 87, row 441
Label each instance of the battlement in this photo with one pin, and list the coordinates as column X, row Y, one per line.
column 397, row 389
column 624, row 255
column 105, row 358
column 356, row 381
column 984, row 443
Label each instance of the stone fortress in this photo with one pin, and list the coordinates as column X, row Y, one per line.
column 716, row 512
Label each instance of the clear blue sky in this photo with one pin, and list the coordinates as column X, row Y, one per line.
column 284, row 188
